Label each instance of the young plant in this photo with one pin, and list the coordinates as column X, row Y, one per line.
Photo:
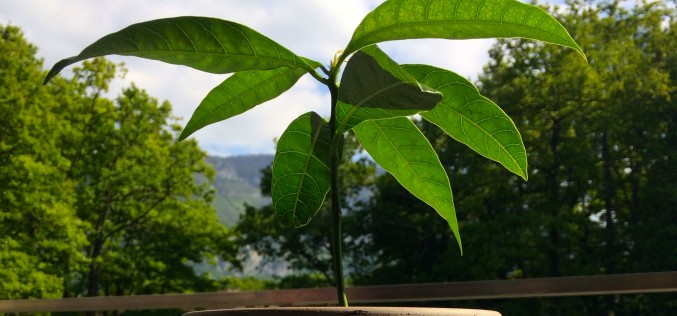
column 373, row 97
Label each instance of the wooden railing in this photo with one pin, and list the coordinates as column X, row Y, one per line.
column 543, row 287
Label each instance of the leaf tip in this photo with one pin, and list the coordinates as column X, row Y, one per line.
column 580, row 51
column 458, row 240
column 453, row 224
column 573, row 45
column 523, row 173
column 184, row 134
column 60, row 65
column 50, row 75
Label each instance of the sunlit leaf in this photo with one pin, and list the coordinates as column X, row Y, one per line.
column 458, row 19
column 239, row 93
column 401, row 149
column 301, row 170
column 473, row 119
column 373, row 86
column 206, row 44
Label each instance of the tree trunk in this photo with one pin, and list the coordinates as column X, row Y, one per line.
column 94, row 253
column 609, row 192
column 554, row 201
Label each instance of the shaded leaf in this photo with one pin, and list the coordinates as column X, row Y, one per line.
column 239, row 93
column 206, row 44
column 401, row 149
column 472, row 119
column 300, row 178
column 373, row 86
column 458, row 19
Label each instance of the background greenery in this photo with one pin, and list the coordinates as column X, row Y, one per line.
column 601, row 138
column 94, row 188
column 97, row 196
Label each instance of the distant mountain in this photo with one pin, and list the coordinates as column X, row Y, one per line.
column 237, row 182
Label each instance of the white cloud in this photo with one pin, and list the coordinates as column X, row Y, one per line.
column 315, row 29
column 465, row 57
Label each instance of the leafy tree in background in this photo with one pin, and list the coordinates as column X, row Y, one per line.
column 97, row 196
column 40, row 234
column 607, row 147
column 372, row 97
column 307, row 250
column 137, row 188
column 601, row 195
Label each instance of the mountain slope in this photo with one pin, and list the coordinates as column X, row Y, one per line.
column 236, row 182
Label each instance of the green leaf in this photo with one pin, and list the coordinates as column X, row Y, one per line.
column 472, row 119
column 373, row 86
column 401, row 149
column 239, row 93
column 206, row 44
column 300, row 178
column 458, row 19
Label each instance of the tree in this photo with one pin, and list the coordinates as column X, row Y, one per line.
column 372, row 97
column 307, row 250
column 609, row 139
column 97, row 197
column 40, row 233
column 600, row 198
column 135, row 188
column 600, row 194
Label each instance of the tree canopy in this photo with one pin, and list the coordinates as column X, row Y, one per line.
column 92, row 188
column 600, row 198
column 601, row 142
column 98, row 197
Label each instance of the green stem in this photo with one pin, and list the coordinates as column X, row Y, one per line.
column 336, row 240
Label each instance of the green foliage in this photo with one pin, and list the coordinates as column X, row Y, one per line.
column 307, row 250
column 40, row 234
column 373, row 88
column 97, row 196
column 239, row 93
column 600, row 196
column 556, row 224
column 312, row 280
column 139, row 189
column 300, row 172
column 247, row 284
column 401, row 149
column 472, row 119
column 458, row 19
column 206, row 44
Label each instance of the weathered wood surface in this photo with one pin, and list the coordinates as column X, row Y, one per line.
column 654, row 282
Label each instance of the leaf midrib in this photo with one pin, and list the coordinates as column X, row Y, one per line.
column 130, row 52
column 399, row 154
column 368, row 35
column 252, row 90
column 309, row 156
column 490, row 135
column 358, row 106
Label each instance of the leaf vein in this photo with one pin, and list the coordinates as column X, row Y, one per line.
column 185, row 35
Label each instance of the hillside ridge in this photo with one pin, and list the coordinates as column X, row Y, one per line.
column 237, row 181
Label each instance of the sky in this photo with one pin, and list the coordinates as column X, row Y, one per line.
column 310, row 28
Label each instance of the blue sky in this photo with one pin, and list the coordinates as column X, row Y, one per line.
column 311, row 28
